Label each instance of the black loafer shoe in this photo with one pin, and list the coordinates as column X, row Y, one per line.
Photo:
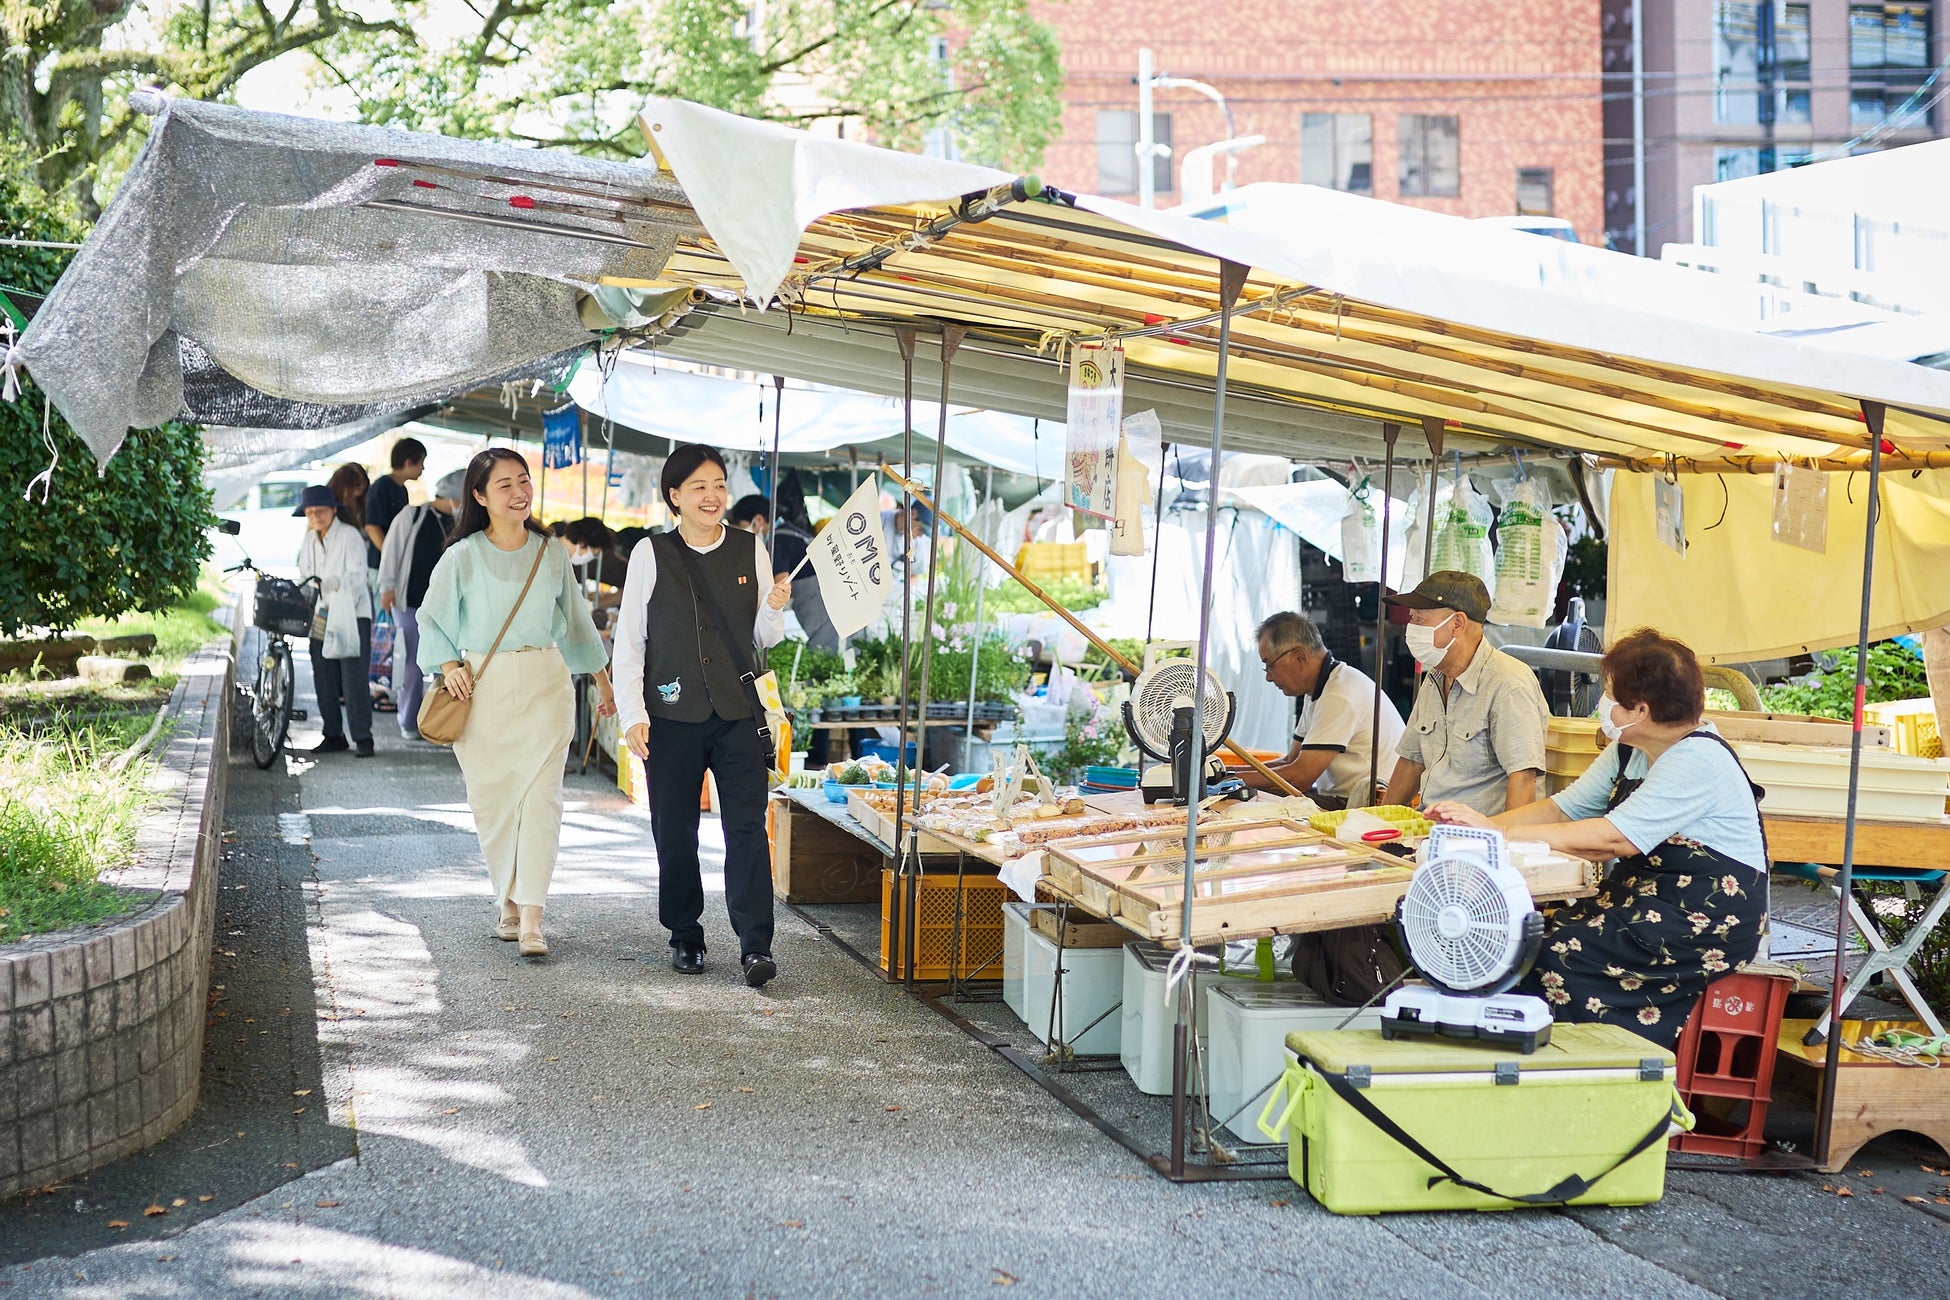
column 687, row 958
column 331, row 745
column 363, row 749
column 760, row 969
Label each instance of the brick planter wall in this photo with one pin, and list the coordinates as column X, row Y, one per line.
column 101, row 1031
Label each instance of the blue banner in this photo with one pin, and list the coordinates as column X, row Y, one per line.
column 562, row 437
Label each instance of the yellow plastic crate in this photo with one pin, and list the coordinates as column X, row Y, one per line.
column 1912, row 725
column 980, row 955
column 1411, row 822
column 1042, row 560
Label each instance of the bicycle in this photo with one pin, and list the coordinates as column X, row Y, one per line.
column 281, row 608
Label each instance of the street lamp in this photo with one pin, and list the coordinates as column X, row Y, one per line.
column 1147, row 147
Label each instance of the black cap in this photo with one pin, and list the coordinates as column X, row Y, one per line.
column 1449, row 589
column 316, row 495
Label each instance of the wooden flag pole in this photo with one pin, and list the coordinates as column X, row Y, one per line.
column 1055, row 608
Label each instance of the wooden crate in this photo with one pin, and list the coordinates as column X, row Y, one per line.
column 814, row 861
column 937, row 957
column 1794, row 729
column 1159, row 848
column 880, row 825
column 1077, row 934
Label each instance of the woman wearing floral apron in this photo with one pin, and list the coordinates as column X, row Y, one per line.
column 1686, row 900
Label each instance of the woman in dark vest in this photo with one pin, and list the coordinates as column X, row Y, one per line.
column 684, row 709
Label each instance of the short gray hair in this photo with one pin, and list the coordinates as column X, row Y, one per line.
column 1286, row 630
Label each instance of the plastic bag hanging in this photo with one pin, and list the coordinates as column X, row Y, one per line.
column 1360, row 536
column 1801, row 507
column 1462, row 535
column 1529, row 555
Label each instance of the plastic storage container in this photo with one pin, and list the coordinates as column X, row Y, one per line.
column 936, row 956
column 1912, row 723
column 1726, row 1055
column 1570, row 745
column 1520, row 1126
column 1812, row 781
column 1247, row 1053
column 1144, row 1041
column 1087, row 1018
column 1412, row 823
column 1015, row 939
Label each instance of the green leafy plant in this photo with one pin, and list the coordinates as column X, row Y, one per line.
column 1094, row 739
column 1829, row 692
column 1585, row 568
column 1898, row 915
column 1074, row 594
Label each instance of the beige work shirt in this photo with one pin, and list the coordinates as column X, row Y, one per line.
column 1472, row 733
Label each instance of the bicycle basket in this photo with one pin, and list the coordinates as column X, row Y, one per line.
column 283, row 607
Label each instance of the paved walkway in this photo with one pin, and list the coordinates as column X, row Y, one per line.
column 398, row 1106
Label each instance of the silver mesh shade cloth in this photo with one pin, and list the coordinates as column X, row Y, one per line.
column 258, row 270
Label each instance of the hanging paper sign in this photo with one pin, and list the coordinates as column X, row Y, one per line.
column 849, row 555
column 1669, row 513
column 562, row 437
column 1801, row 507
column 1096, row 413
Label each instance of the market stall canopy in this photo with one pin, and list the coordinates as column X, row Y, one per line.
column 1738, row 594
column 263, row 270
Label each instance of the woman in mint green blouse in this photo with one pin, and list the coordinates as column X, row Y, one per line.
column 522, row 719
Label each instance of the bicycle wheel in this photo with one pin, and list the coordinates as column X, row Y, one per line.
column 271, row 706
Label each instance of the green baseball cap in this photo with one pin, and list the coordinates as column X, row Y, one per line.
column 1449, row 589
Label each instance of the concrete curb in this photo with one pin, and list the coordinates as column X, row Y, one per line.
column 101, row 1031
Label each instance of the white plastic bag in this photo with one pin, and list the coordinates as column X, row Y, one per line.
column 1462, row 535
column 1360, row 536
column 1529, row 555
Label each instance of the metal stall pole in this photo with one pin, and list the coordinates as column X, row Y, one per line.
column 1432, row 430
column 772, row 502
column 975, row 643
column 1389, row 432
column 951, row 337
column 1232, row 282
column 906, row 892
column 1157, row 544
column 1872, row 413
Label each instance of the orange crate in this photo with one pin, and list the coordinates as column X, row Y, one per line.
column 981, row 928
column 1726, row 1053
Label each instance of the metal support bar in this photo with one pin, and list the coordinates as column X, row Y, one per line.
column 1389, row 433
column 1872, row 414
column 951, row 337
column 772, row 504
column 906, row 889
column 1432, row 430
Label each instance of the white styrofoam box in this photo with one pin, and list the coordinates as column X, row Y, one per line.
column 1247, row 1054
column 1015, row 940
column 1812, row 781
column 1092, row 983
column 1145, row 1042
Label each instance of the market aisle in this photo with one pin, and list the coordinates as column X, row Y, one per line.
column 600, row 1126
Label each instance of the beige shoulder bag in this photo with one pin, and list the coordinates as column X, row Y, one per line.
column 442, row 717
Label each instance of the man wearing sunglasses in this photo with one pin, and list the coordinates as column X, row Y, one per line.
column 1335, row 735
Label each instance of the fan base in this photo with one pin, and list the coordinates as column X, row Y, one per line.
column 1501, row 1020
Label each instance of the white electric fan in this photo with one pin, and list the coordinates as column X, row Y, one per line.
column 1158, row 717
column 1472, row 933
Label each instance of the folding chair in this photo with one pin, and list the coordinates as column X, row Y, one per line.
column 1882, row 958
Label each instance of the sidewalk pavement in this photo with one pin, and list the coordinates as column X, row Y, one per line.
column 465, row 1123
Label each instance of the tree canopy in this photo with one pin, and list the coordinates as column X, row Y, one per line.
column 563, row 73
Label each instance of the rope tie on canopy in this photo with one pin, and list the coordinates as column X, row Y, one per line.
column 1180, row 967
column 45, row 479
column 11, row 359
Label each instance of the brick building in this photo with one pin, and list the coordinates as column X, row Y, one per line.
column 1738, row 88
column 1474, row 107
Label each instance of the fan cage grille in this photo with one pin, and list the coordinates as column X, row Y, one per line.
column 1490, row 929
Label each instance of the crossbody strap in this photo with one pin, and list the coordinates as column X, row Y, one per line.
column 510, row 620
column 743, row 656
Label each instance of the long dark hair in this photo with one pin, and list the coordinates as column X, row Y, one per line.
column 349, row 483
column 473, row 517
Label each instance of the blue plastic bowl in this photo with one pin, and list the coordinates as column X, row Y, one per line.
column 835, row 792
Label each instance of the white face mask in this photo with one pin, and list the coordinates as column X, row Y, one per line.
column 1421, row 642
column 1611, row 729
column 580, row 560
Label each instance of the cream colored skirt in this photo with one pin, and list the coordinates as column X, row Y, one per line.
column 511, row 755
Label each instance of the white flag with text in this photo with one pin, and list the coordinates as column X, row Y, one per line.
column 850, row 556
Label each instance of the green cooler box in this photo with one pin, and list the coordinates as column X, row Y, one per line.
column 1427, row 1124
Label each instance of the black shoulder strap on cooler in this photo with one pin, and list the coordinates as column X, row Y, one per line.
column 1566, row 1191
column 740, row 648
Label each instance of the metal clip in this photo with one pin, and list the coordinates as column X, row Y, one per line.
column 1360, row 1075
column 1651, row 1070
column 1507, row 1073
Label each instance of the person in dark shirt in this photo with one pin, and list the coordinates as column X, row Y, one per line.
column 596, row 553
column 387, row 496
column 789, row 542
column 412, row 550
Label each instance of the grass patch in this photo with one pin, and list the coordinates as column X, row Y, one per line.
column 65, row 819
column 185, row 627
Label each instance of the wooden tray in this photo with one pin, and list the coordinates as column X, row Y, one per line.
column 1163, row 846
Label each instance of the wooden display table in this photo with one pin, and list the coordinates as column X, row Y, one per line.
column 1877, row 843
column 820, row 854
column 1872, row 1096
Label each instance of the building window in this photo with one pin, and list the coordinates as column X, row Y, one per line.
column 1337, row 151
column 1760, row 62
column 1534, row 192
column 1889, row 63
column 1736, row 62
column 1117, row 152
column 1732, row 164
column 1431, row 156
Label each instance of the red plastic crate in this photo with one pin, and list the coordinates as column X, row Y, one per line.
column 1726, row 1051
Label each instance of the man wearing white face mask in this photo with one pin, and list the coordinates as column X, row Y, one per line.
column 1476, row 734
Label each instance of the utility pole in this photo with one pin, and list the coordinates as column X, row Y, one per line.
column 1147, row 195
column 1638, row 129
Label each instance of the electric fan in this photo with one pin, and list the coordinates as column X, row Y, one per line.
column 1158, row 717
column 1472, row 933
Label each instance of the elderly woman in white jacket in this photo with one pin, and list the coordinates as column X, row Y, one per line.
column 334, row 553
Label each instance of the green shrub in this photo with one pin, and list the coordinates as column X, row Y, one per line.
column 1829, row 692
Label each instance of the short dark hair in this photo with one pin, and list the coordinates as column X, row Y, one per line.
column 627, row 538
column 1287, row 629
column 685, row 461
column 1647, row 667
column 588, row 531
column 747, row 508
column 409, row 451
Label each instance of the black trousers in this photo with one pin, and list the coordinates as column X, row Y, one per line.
column 331, row 678
column 679, row 755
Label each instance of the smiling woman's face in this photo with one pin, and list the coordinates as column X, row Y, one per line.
column 508, row 493
column 701, row 498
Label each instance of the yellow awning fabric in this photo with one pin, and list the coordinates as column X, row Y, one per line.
column 1739, row 595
